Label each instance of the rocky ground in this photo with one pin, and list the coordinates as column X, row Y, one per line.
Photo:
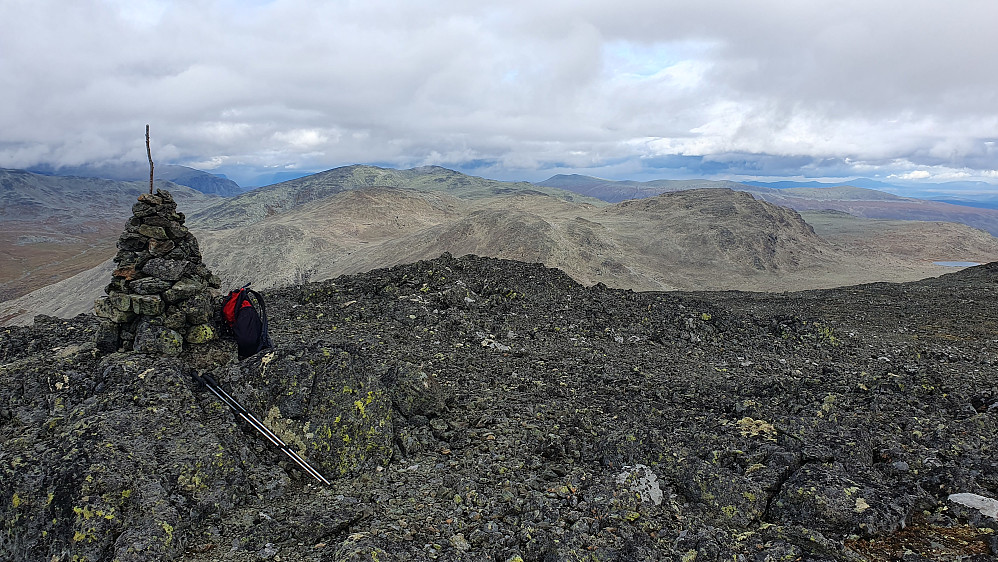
column 481, row 409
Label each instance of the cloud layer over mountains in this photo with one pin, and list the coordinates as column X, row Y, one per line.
column 631, row 89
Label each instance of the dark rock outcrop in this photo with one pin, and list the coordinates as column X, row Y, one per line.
column 123, row 457
column 481, row 409
column 160, row 293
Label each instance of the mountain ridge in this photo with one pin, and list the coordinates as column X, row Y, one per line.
column 199, row 180
column 275, row 199
column 422, row 212
column 716, row 239
column 859, row 201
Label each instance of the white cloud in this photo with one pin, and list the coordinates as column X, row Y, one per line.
column 914, row 175
column 822, row 87
column 144, row 13
column 209, row 164
column 302, row 139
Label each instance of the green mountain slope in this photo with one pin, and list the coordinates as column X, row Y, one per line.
column 282, row 197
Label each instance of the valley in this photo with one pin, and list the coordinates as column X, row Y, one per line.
column 357, row 218
column 53, row 227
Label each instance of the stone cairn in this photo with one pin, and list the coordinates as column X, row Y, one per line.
column 161, row 293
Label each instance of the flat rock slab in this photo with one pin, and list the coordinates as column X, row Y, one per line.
column 166, row 269
column 987, row 506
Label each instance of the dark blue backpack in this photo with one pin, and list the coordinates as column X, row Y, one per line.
column 249, row 326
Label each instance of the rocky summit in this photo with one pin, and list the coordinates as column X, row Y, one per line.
column 482, row 409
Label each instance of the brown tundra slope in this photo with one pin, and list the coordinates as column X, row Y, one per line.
column 712, row 239
column 53, row 227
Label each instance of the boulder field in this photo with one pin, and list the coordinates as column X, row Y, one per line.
column 482, row 409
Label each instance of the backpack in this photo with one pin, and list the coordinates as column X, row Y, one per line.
column 248, row 326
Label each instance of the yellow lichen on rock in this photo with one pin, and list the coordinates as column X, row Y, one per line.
column 202, row 333
column 749, row 427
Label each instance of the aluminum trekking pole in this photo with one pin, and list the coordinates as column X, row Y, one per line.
column 249, row 418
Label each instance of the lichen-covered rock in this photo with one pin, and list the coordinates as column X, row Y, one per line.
column 415, row 392
column 159, row 248
column 120, row 301
column 148, row 305
column 157, row 232
column 183, row 289
column 107, row 308
column 643, row 481
column 175, row 318
column 331, row 408
column 198, row 310
column 115, row 458
column 165, row 269
column 153, row 337
column 149, row 286
column 609, row 425
column 202, row 333
column 160, row 276
column 143, row 209
column 830, row 499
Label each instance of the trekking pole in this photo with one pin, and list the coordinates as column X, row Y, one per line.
column 249, row 418
column 261, row 428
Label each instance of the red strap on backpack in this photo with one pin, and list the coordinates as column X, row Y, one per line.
column 236, row 299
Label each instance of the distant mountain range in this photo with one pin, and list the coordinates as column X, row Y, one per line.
column 54, row 226
column 858, row 201
column 274, row 199
column 968, row 193
column 614, row 191
column 198, row 180
column 990, row 203
column 357, row 218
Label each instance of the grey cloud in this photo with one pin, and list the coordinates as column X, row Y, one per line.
column 514, row 87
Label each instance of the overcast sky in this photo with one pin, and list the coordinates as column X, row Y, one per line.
column 892, row 90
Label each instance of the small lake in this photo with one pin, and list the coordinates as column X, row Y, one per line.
column 956, row 263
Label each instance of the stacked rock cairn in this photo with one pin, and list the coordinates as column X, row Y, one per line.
column 160, row 293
